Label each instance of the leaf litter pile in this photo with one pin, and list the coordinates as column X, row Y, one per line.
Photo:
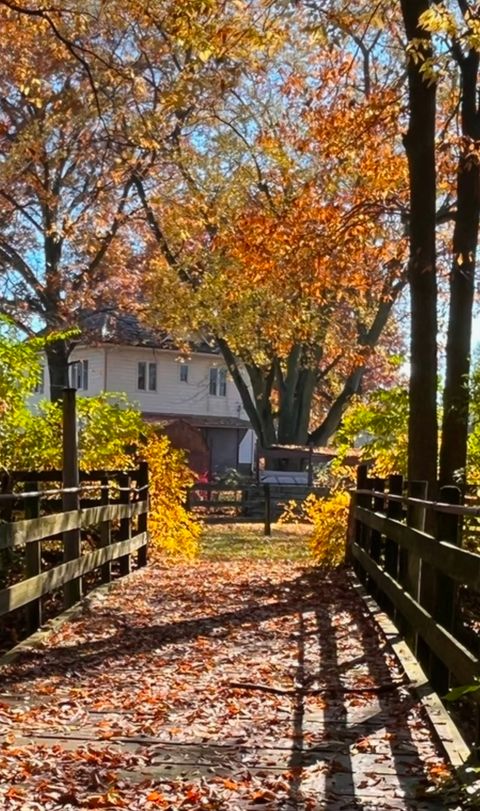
column 218, row 685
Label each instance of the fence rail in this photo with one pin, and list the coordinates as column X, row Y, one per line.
column 109, row 527
column 407, row 551
column 237, row 503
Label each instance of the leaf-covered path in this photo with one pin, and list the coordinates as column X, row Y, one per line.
column 224, row 685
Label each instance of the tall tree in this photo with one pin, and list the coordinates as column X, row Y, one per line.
column 456, row 26
column 420, row 148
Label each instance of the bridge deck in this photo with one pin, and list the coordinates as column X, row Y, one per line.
column 228, row 685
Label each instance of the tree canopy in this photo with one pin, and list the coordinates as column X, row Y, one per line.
column 251, row 171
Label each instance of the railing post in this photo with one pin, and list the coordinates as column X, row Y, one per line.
column 310, row 467
column 378, row 506
column 267, row 530
column 105, row 530
column 351, row 529
column 125, row 523
column 142, row 482
column 445, row 593
column 394, row 511
column 33, row 558
column 72, row 591
column 362, row 532
column 375, row 536
column 410, row 565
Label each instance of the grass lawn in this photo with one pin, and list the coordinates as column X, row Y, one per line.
column 247, row 541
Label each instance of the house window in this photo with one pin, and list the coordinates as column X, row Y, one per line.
column 183, row 373
column 213, row 380
column 40, row 384
column 152, row 376
column 218, row 382
column 147, row 376
column 79, row 374
column 222, row 382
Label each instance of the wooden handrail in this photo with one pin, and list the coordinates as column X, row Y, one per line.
column 438, row 506
column 413, row 568
column 118, row 536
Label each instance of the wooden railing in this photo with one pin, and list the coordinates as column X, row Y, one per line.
column 407, row 552
column 248, row 503
column 108, row 526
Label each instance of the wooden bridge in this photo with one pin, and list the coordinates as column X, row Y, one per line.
column 408, row 553
column 227, row 685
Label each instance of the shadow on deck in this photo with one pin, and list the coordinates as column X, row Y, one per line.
column 226, row 685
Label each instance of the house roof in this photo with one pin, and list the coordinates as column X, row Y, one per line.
column 197, row 420
column 112, row 327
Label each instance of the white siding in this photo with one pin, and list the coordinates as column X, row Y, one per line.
column 115, row 369
column 172, row 395
column 95, row 357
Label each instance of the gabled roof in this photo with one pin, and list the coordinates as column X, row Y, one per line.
column 112, row 327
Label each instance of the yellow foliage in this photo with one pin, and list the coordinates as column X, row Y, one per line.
column 173, row 530
column 329, row 517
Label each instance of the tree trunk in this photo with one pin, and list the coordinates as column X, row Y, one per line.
column 57, row 354
column 322, row 434
column 420, row 149
column 296, row 389
column 453, row 451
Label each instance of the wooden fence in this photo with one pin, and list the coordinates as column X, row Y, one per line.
column 100, row 523
column 407, row 552
column 220, row 503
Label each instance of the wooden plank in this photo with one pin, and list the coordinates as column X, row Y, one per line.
column 376, row 543
column 456, row 750
column 222, row 488
column 56, row 475
column 36, row 529
column 125, row 530
column 255, row 489
column 33, row 560
column 456, row 657
column 444, row 593
column 364, row 500
column 216, row 505
column 23, row 593
column 72, row 539
column 394, row 511
column 105, row 533
column 267, row 519
column 410, row 561
column 459, row 564
column 142, row 526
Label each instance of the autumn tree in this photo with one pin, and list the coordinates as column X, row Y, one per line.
column 91, row 99
column 286, row 242
column 273, row 219
column 455, row 33
column 63, row 194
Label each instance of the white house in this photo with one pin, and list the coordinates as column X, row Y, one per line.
column 175, row 389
